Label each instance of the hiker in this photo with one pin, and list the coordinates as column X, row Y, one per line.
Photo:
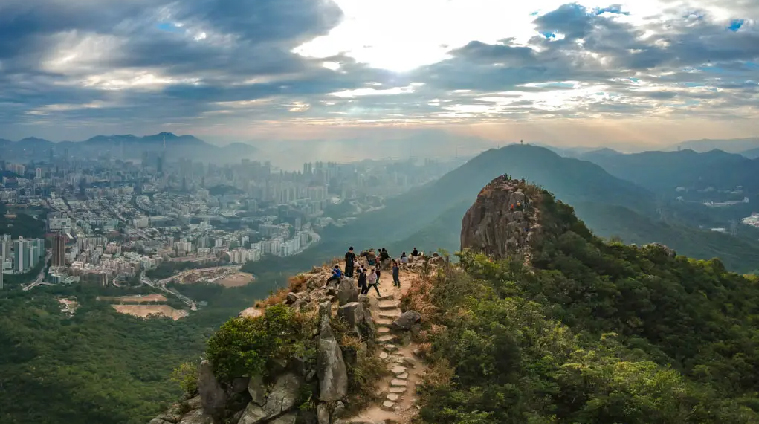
column 362, row 281
column 512, row 207
column 336, row 275
column 373, row 280
column 519, row 206
column 371, row 258
column 404, row 258
column 378, row 271
column 356, row 264
column 396, row 270
column 350, row 258
column 415, row 252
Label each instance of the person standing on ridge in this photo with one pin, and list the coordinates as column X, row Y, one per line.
column 373, row 281
column 350, row 258
column 362, row 281
column 396, row 270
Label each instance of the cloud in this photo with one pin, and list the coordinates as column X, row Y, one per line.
column 81, row 67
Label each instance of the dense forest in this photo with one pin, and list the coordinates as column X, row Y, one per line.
column 99, row 366
column 592, row 332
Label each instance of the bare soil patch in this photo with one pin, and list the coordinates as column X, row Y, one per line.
column 146, row 311
column 236, row 280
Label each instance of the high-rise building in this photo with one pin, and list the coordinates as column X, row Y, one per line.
column 2, row 268
column 20, row 255
column 59, row 249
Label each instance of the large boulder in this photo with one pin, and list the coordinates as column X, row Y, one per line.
column 281, row 400
column 284, row 394
column 213, row 398
column 406, row 320
column 347, row 291
column 353, row 314
column 330, row 366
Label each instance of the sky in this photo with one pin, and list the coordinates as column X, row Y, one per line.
column 589, row 73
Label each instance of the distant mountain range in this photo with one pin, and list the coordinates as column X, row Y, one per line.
column 733, row 145
column 128, row 147
column 430, row 216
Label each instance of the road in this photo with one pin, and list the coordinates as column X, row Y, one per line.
column 161, row 285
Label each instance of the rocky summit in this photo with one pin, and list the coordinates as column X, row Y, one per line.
column 503, row 220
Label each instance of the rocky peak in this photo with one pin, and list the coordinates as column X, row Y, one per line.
column 503, row 221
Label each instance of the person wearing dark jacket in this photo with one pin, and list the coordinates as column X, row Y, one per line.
column 396, row 270
column 415, row 252
column 350, row 257
column 362, row 281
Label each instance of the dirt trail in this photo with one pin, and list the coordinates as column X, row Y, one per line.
column 398, row 404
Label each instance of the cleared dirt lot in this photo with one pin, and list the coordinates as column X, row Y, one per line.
column 236, row 280
column 145, row 311
column 148, row 298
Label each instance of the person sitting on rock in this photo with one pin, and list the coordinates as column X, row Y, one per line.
column 519, row 206
column 404, row 258
column 415, row 252
column 336, row 275
column 512, row 207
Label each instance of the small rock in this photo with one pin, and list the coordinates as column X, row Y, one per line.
column 339, row 409
column 322, row 413
column 383, row 355
column 257, row 390
column 392, row 397
column 196, row 417
column 387, row 405
column 291, row 297
column 398, row 383
column 398, row 389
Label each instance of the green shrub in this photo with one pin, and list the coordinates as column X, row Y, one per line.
column 255, row 346
column 186, row 375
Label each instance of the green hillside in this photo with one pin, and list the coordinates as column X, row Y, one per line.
column 664, row 171
column 591, row 333
column 430, row 217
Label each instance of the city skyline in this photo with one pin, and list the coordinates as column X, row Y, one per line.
column 651, row 72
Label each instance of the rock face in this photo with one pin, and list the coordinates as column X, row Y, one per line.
column 502, row 222
column 330, row 366
column 213, row 398
column 347, row 291
column 353, row 314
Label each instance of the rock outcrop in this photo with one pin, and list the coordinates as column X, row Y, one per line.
column 503, row 221
column 278, row 398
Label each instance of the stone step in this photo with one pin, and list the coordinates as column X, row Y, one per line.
column 386, row 305
column 398, row 369
column 383, row 330
column 388, row 405
column 392, row 316
column 390, row 347
column 384, row 321
column 389, row 296
column 403, row 376
column 393, row 397
column 397, row 390
column 398, row 383
column 385, row 339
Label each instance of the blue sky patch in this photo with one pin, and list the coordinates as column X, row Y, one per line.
column 735, row 24
column 168, row 26
column 616, row 9
column 548, row 35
